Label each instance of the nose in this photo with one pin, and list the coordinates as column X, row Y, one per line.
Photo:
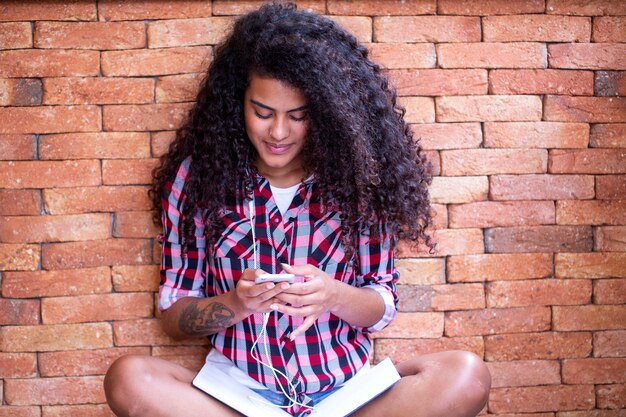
column 280, row 128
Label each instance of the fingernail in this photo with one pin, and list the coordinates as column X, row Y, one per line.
column 274, row 307
column 284, row 286
column 285, row 265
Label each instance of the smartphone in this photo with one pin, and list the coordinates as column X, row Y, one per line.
column 260, row 279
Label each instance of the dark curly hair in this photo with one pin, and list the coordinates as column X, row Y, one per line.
column 365, row 161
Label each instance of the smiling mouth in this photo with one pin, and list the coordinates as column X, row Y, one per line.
column 277, row 149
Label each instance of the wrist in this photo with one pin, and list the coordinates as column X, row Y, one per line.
column 337, row 297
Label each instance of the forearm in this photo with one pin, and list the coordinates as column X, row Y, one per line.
column 361, row 307
column 193, row 317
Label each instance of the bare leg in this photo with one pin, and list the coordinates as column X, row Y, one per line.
column 148, row 386
column 445, row 384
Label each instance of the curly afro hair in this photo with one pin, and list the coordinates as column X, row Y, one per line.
column 366, row 163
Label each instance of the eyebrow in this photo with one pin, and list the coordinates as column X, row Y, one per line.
column 265, row 106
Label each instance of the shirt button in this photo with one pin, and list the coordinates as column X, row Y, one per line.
column 276, row 220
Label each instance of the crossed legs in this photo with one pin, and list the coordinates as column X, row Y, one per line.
column 450, row 384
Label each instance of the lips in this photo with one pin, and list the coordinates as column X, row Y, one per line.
column 276, row 149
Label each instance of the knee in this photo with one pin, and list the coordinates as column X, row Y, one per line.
column 473, row 377
column 126, row 384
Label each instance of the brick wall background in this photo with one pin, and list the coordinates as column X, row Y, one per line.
column 519, row 104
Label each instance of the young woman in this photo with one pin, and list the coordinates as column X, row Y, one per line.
column 295, row 158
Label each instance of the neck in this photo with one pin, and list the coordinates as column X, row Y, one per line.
column 282, row 177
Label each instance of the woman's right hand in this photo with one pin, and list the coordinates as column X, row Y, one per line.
column 257, row 298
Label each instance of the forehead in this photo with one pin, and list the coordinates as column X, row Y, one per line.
column 274, row 93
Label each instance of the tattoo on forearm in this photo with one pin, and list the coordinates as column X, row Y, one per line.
column 205, row 321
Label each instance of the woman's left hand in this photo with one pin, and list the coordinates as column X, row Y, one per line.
column 318, row 294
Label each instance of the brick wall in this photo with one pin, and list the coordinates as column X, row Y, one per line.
column 519, row 104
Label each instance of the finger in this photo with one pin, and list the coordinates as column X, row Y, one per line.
column 298, row 300
column 306, row 324
column 299, row 270
column 303, row 311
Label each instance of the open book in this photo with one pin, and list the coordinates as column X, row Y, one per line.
column 355, row 393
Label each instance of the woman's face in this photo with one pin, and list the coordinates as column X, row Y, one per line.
column 277, row 124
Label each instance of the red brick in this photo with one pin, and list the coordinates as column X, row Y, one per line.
column 492, row 55
column 129, row 278
column 610, row 239
column 595, row 56
column 542, row 398
column 56, row 283
column 90, row 35
column 590, row 265
column 55, row 337
column 609, row 29
column 488, row 108
column 135, row 224
column 497, row 267
column 177, row 88
column 488, row 7
column 608, row 136
column 448, row 135
column 441, row 297
column 457, row 190
column 191, row 357
column 29, row 10
column 611, row 396
column 592, row 161
column 144, row 117
column 128, row 171
column 539, row 239
column 524, row 373
column 91, row 410
column 359, row 26
column 377, row 8
column 505, row 294
column 160, row 142
column 544, row 81
column 90, row 199
column 146, row 332
column 585, row 109
column 83, row 362
column 426, row 29
column 467, row 162
column 449, row 242
column 17, row 147
column 433, row 159
column 186, row 32
column 49, row 63
column 537, row 28
column 421, row 271
column 18, row 365
column 53, row 391
column 96, row 90
column 589, row 317
column 131, row 10
column 413, row 325
column 19, row 312
column 97, row 307
column 610, row 83
column 589, row 413
column 104, row 145
column 594, row 371
column 532, row 346
column 19, row 411
column 20, row 92
column 40, row 174
column 19, row 257
column 586, row 7
column 609, row 291
column 541, row 187
column 97, row 253
column 611, row 343
column 536, row 135
column 496, row 320
column 229, row 7
column 50, row 119
column 395, row 56
column 20, row 202
column 438, row 82
column 496, row 214
column 402, row 349
column 143, row 62
column 32, row 229
column 594, row 212
column 15, row 35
